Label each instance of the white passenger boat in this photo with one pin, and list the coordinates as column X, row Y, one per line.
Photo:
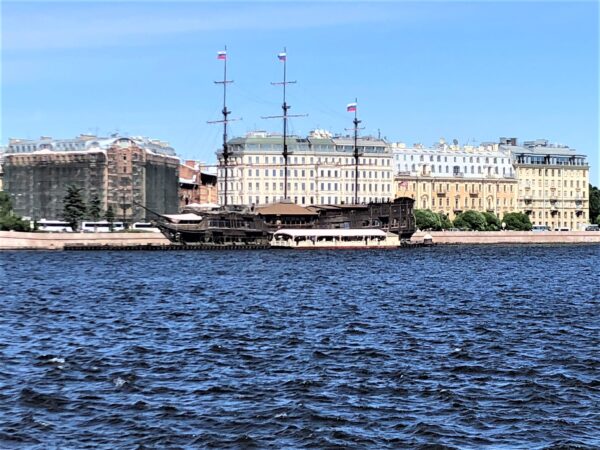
column 315, row 238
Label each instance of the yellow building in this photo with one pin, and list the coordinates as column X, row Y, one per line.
column 450, row 179
column 553, row 184
column 452, row 196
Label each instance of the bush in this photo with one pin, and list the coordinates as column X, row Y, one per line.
column 470, row 220
column 517, row 221
column 492, row 222
column 445, row 222
column 427, row 220
column 8, row 219
column 14, row 223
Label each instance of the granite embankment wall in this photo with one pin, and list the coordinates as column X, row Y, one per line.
column 11, row 240
column 509, row 237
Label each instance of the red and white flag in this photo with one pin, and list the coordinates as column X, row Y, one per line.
column 351, row 107
column 222, row 55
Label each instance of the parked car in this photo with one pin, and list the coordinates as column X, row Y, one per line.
column 540, row 228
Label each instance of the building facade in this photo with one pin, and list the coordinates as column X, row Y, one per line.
column 321, row 170
column 124, row 175
column 450, row 179
column 553, row 183
column 196, row 185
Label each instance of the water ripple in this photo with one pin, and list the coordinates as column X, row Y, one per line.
column 461, row 347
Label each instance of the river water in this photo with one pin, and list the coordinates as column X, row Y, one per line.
column 463, row 347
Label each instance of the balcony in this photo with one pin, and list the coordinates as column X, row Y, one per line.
column 473, row 194
column 457, row 210
column 440, row 194
column 459, row 174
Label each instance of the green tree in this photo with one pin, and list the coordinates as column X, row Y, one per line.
column 5, row 204
column 470, row 220
column 517, row 221
column 8, row 219
column 492, row 223
column 95, row 208
column 427, row 220
column 594, row 198
column 14, row 223
column 445, row 222
column 110, row 216
column 74, row 208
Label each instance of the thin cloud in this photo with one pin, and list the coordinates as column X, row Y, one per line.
column 76, row 26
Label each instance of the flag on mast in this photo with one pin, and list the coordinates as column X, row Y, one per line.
column 351, row 107
column 222, row 55
column 282, row 56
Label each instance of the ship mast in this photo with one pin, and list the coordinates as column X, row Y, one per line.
column 353, row 107
column 222, row 55
column 285, row 107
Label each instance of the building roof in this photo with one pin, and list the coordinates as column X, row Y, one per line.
column 284, row 209
column 85, row 142
column 543, row 150
column 272, row 143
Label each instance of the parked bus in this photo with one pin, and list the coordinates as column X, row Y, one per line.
column 101, row 227
column 145, row 226
column 56, row 226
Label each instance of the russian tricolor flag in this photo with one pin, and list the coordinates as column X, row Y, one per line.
column 282, row 56
column 351, row 107
column 222, row 55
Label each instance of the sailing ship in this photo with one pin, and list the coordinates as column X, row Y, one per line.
column 232, row 224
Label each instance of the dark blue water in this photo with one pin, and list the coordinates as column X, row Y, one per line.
column 463, row 347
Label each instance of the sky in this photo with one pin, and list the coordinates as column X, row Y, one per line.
column 471, row 71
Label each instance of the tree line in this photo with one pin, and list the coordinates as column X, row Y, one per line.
column 471, row 221
column 75, row 209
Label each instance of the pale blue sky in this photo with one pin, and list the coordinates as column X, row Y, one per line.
column 421, row 70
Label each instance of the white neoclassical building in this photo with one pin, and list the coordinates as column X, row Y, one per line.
column 321, row 170
column 444, row 160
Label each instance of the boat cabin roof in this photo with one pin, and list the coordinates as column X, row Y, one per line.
column 284, row 209
column 331, row 232
column 183, row 218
